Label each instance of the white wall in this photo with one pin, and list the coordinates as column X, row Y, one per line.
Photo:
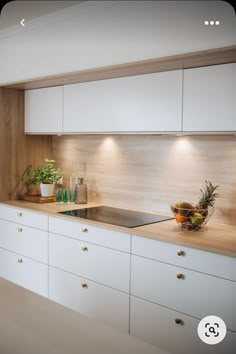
column 99, row 33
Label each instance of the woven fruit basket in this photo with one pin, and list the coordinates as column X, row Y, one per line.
column 195, row 216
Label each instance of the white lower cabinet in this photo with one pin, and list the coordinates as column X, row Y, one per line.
column 184, row 290
column 92, row 299
column 97, row 263
column 24, row 217
column 27, row 241
column 173, row 288
column 154, row 290
column 24, row 248
column 157, row 325
column 25, row 272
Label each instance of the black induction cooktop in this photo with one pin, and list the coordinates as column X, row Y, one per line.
column 116, row 216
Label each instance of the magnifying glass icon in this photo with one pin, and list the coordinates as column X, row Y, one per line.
column 212, row 330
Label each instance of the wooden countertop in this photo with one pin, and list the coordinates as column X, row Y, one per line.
column 32, row 324
column 218, row 238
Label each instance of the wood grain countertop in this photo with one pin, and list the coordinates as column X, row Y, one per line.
column 217, row 238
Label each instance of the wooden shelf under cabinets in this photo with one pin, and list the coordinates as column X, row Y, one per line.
column 174, row 62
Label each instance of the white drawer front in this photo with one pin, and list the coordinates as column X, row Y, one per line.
column 30, row 274
column 156, row 325
column 198, row 294
column 104, row 237
column 202, row 261
column 103, row 265
column 91, row 299
column 24, row 217
column 29, row 242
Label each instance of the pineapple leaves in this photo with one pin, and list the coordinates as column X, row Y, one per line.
column 208, row 195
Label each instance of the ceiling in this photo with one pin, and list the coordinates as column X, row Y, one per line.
column 14, row 11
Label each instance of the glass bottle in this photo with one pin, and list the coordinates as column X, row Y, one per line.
column 73, row 182
column 81, row 195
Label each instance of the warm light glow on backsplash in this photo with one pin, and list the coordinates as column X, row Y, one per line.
column 183, row 143
column 108, row 144
column 150, row 172
column 183, row 156
column 109, row 151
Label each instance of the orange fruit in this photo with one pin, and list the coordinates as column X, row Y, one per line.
column 180, row 218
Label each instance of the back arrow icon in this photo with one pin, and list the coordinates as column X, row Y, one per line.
column 22, row 22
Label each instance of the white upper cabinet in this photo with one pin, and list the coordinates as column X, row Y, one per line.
column 43, row 110
column 209, row 101
column 142, row 103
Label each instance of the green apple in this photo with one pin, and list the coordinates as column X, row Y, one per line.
column 197, row 219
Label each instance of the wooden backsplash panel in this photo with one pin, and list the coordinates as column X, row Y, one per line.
column 17, row 150
column 149, row 172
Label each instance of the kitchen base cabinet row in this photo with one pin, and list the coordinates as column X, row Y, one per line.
column 154, row 290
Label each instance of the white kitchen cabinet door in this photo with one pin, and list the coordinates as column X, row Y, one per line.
column 43, row 110
column 89, row 233
column 157, row 325
column 209, row 98
column 186, row 257
column 29, row 242
column 103, row 265
column 89, row 298
column 184, row 290
column 141, row 103
column 24, row 217
column 25, row 272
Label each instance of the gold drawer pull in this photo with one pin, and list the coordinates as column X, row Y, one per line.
column 20, row 260
column 84, row 248
column 179, row 321
column 84, row 285
column 180, row 253
column 180, row 276
column 20, row 229
column 19, row 214
column 84, row 229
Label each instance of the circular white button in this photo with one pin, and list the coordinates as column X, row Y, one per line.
column 211, row 330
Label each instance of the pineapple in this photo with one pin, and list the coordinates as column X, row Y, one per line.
column 208, row 195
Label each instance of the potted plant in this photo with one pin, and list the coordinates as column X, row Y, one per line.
column 46, row 175
column 30, row 182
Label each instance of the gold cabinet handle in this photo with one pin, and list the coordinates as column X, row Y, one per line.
column 179, row 321
column 180, row 276
column 180, row 253
column 84, row 229
column 20, row 229
column 84, row 285
column 20, row 260
column 84, row 248
column 19, row 214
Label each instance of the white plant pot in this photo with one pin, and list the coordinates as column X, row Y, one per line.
column 47, row 190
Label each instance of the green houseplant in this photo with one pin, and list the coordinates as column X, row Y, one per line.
column 46, row 175
column 30, row 182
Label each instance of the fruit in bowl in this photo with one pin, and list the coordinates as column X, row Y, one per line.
column 194, row 217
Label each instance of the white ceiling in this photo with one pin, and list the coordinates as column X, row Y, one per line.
column 92, row 34
column 14, row 11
